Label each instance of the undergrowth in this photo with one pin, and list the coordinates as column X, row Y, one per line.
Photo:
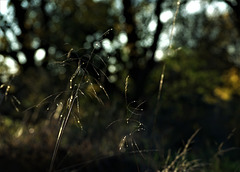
column 81, row 85
column 84, row 83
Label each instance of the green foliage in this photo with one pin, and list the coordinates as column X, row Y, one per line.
column 96, row 102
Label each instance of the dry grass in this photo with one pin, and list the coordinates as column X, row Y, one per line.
column 180, row 162
column 81, row 84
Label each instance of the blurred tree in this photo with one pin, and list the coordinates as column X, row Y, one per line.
column 56, row 27
column 197, row 93
column 47, row 29
column 50, row 25
column 201, row 80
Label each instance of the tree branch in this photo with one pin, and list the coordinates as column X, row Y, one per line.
column 158, row 31
column 130, row 26
column 236, row 10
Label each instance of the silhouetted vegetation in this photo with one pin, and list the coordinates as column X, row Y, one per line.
column 107, row 85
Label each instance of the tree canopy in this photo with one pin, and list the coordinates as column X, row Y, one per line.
column 110, row 72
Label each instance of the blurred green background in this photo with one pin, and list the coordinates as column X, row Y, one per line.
column 113, row 53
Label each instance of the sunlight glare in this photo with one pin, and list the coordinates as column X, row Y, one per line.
column 12, row 65
column 40, row 54
column 158, row 55
column 3, row 7
column 216, row 7
column 152, row 26
column 193, row 7
column 166, row 15
column 21, row 57
column 123, row 38
column 107, row 45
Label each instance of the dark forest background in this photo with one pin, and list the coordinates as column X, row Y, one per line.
column 135, row 87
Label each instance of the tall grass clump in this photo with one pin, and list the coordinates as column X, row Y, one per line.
column 180, row 163
column 82, row 83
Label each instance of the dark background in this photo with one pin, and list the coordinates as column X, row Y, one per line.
column 120, row 119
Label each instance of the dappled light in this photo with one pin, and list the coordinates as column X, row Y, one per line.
column 119, row 85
